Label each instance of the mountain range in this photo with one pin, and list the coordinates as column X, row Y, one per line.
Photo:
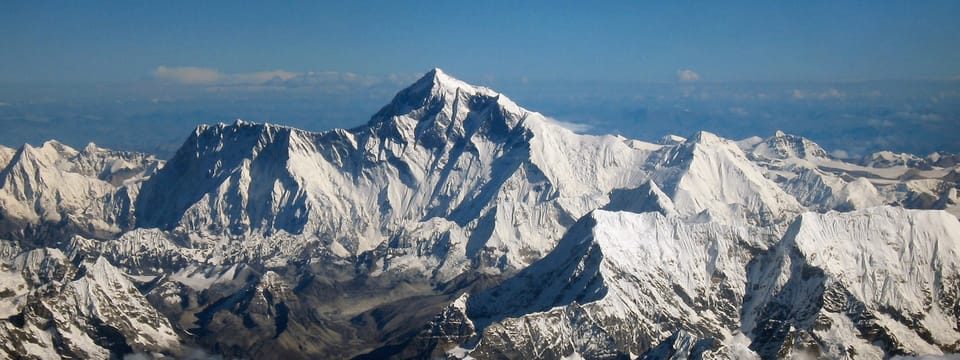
column 455, row 223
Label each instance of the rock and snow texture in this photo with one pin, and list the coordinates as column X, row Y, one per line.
column 866, row 283
column 682, row 345
column 54, row 189
column 455, row 223
column 804, row 170
column 785, row 146
column 659, row 272
column 861, row 284
column 86, row 311
column 461, row 161
column 5, row 155
column 716, row 179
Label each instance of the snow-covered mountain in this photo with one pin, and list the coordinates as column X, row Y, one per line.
column 868, row 283
column 713, row 176
column 823, row 183
column 455, row 223
column 54, row 308
column 443, row 155
column 49, row 192
column 662, row 273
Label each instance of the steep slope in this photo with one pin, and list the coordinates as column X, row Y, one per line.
column 712, row 177
column 503, row 180
column 681, row 345
column 868, row 283
column 209, row 183
column 89, row 311
column 865, row 283
column 646, row 198
column 6, row 154
column 48, row 193
column 441, row 337
column 622, row 279
column 785, row 146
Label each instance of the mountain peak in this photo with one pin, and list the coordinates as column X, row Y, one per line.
column 439, row 107
column 90, row 148
column 434, row 73
column 436, row 82
column 705, row 137
column 671, row 139
column 782, row 145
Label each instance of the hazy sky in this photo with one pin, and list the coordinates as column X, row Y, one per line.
column 92, row 41
column 139, row 75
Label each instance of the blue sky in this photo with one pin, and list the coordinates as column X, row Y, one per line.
column 857, row 77
column 78, row 41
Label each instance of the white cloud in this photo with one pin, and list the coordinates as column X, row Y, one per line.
column 261, row 77
column 187, row 75
column 275, row 79
column 874, row 122
column 830, row 93
column 840, row 154
column 922, row 117
column 687, row 75
column 333, row 78
column 206, row 76
column 572, row 126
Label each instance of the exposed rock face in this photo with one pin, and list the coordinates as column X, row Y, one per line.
column 86, row 311
column 861, row 283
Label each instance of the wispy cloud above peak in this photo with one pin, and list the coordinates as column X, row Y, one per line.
column 261, row 77
column 187, row 75
column 192, row 75
column 576, row 127
column 825, row 94
column 687, row 75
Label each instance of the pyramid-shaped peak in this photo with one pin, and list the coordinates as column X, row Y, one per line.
column 48, row 152
column 437, row 75
column 782, row 145
column 433, row 73
column 436, row 96
column 91, row 147
column 705, row 137
column 671, row 139
column 439, row 82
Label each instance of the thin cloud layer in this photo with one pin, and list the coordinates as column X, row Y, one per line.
column 275, row 79
column 830, row 93
column 687, row 75
column 192, row 75
column 187, row 75
column 262, row 77
column 579, row 128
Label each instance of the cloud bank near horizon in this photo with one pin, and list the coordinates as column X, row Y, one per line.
column 152, row 115
column 201, row 76
column 687, row 75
